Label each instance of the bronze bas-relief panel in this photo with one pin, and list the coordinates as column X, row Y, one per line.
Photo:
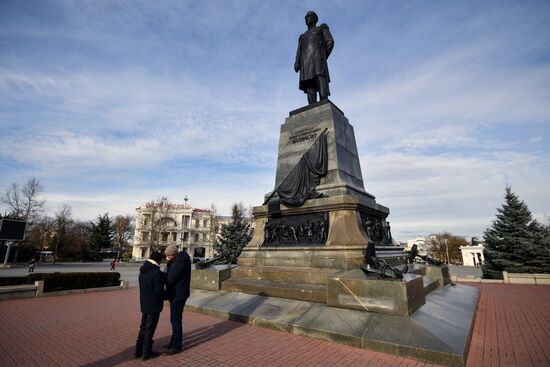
column 296, row 230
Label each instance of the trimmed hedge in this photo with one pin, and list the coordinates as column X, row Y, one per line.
column 54, row 282
column 4, row 281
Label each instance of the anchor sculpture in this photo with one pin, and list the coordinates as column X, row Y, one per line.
column 426, row 258
column 210, row 262
column 378, row 266
column 430, row 261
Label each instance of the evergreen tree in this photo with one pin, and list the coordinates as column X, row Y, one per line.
column 515, row 242
column 540, row 262
column 233, row 236
column 103, row 234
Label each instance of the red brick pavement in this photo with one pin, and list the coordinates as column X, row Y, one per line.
column 512, row 328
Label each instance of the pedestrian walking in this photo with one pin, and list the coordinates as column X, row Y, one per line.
column 113, row 265
column 178, row 277
column 151, row 299
column 31, row 265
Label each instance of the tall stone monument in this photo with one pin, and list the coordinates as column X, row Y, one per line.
column 334, row 226
column 319, row 214
column 304, row 272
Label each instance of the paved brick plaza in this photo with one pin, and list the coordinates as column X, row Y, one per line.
column 512, row 328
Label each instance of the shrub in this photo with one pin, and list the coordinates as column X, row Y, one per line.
column 4, row 281
column 54, row 282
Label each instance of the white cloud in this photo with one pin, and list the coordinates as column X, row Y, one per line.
column 436, row 193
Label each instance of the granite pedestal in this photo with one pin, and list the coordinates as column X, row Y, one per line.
column 300, row 272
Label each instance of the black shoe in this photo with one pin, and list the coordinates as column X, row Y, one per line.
column 151, row 355
column 138, row 355
column 169, row 352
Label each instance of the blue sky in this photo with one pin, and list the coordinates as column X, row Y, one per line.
column 115, row 103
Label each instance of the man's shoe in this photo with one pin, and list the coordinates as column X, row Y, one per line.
column 152, row 355
column 137, row 355
column 169, row 352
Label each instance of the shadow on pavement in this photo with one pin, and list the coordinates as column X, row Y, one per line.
column 190, row 339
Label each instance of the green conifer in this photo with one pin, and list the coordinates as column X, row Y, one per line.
column 515, row 242
column 233, row 235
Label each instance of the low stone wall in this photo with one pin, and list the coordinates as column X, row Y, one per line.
column 515, row 278
column 22, row 291
column 509, row 278
column 37, row 290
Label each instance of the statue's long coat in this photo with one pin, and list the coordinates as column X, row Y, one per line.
column 314, row 48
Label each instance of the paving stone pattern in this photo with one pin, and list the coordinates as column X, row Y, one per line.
column 512, row 328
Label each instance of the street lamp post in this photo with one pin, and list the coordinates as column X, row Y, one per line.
column 447, row 249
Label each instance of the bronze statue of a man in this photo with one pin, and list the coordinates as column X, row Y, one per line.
column 314, row 47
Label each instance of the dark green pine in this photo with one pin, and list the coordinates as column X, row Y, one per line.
column 515, row 242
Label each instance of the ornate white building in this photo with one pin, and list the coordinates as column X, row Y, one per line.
column 161, row 225
column 472, row 255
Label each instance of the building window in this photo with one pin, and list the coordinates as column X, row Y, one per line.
column 205, row 223
column 174, row 237
column 164, row 236
column 185, row 236
column 196, row 237
column 204, row 237
column 196, row 223
column 145, row 236
column 185, row 221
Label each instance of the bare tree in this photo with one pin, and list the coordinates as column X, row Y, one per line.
column 63, row 219
column 37, row 238
column 24, row 203
column 445, row 246
column 124, row 229
column 156, row 212
column 215, row 223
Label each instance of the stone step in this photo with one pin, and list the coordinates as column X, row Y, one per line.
column 430, row 284
column 270, row 288
column 284, row 274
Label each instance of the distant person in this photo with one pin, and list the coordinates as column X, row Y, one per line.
column 151, row 299
column 31, row 265
column 113, row 265
column 178, row 277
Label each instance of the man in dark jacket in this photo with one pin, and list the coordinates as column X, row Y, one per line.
column 178, row 277
column 151, row 299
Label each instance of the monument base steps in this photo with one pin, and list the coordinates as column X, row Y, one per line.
column 437, row 332
column 337, row 287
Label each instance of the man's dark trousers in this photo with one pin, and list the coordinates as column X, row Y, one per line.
column 147, row 328
column 176, row 319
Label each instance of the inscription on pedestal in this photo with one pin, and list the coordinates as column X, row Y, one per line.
column 296, row 230
column 305, row 134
